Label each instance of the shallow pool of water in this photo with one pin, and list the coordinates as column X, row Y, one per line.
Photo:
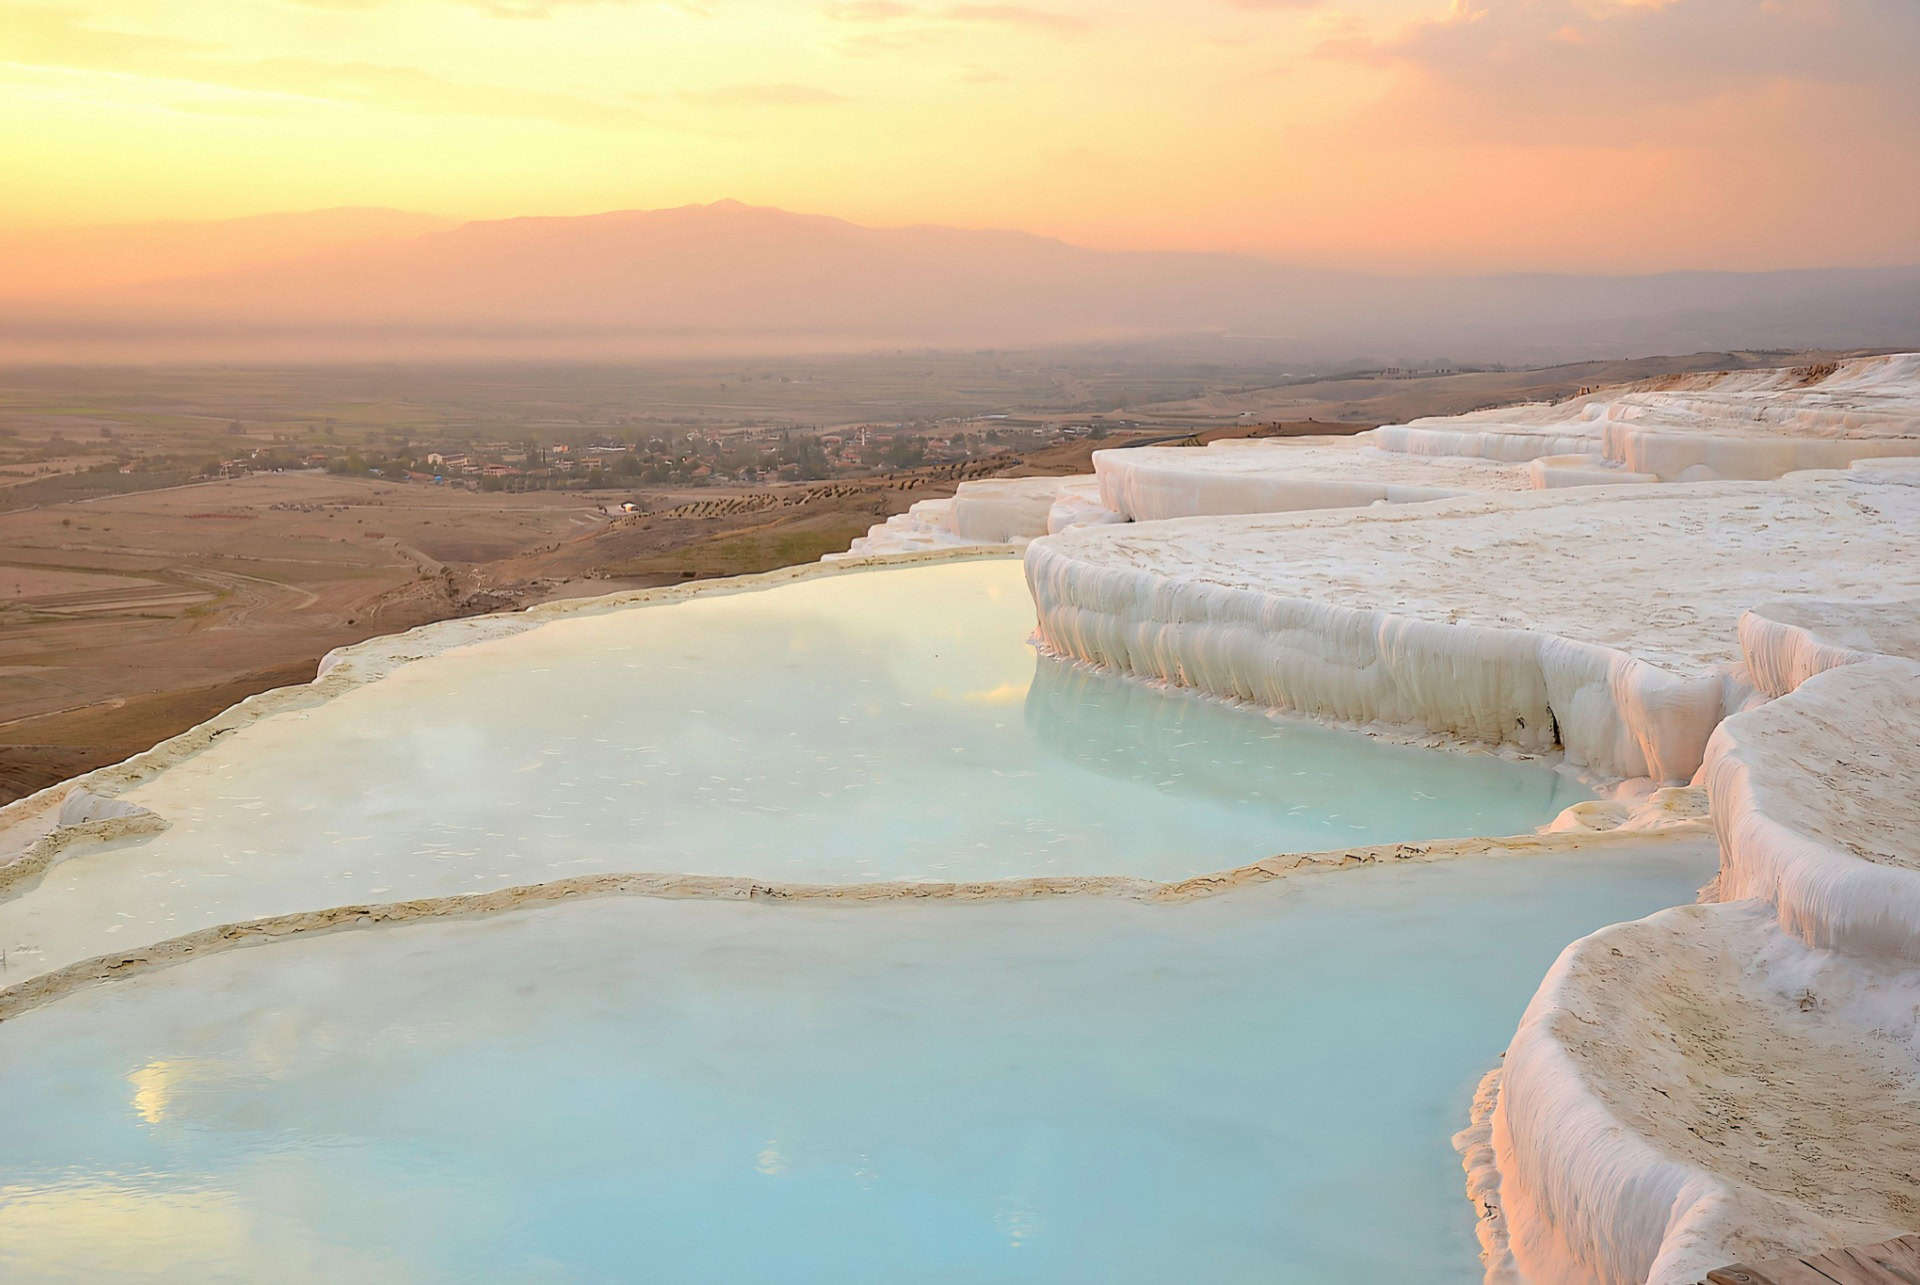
column 879, row 725
column 1259, row 1086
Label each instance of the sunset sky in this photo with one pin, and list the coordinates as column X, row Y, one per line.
column 1403, row 134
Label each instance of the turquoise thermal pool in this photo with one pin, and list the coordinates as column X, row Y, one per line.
column 877, row 725
column 1254, row 1086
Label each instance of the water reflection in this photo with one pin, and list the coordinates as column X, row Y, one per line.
column 1181, row 744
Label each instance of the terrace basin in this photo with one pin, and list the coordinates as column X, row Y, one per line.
column 1254, row 1086
column 848, row 727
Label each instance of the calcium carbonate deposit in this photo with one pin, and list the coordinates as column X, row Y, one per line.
column 1738, row 1080
column 1039, row 966
column 1598, row 620
column 1255, row 475
column 1753, row 424
column 1687, row 428
column 987, row 514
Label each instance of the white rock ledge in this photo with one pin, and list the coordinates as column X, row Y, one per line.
column 1077, row 503
column 991, row 513
column 1750, row 424
column 1813, row 799
column 1742, row 1080
column 1696, row 1088
column 1599, row 620
column 1581, row 470
column 1508, row 441
column 1786, row 643
column 1256, row 475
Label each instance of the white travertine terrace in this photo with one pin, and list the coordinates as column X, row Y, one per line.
column 1750, row 424
column 1268, row 475
column 1003, row 510
column 1813, row 799
column 1739, row 1080
column 1599, row 620
column 1580, row 470
column 1511, row 434
column 1786, row 643
column 998, row 512
column 1694, row 1089
column 926, row 526
column 1077, row 503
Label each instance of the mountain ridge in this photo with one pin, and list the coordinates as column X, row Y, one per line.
column 728, row 276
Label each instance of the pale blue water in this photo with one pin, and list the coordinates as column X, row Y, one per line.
column 1258, row 1087
column 884, row 725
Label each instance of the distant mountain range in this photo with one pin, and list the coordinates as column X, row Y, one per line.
column 743, row 279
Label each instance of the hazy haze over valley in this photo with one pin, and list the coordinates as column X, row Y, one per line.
column 730, row 278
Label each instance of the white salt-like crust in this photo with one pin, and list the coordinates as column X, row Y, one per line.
column 1813, row 799
column 1600, row 620
column 1786, row 643
column 1697, row 1088
column 1254, row 475
column 1751, row 424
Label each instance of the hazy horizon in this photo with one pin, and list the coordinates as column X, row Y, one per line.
column 59, row 261
column 732, row 279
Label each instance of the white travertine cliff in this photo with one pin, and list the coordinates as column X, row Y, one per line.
column 1787, row 642
column 1694, row 1089
column 1596, row 620
column 1813, row 799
